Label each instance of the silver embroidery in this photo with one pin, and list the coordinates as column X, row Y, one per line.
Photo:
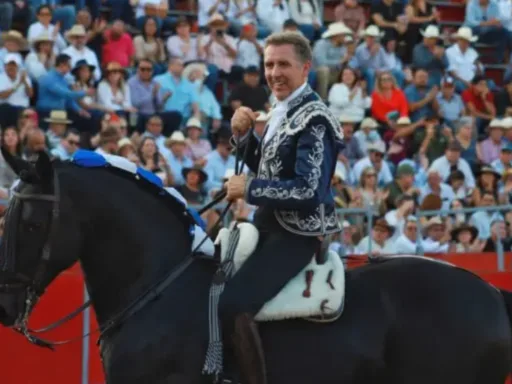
column 308, row 111
column 314, row 224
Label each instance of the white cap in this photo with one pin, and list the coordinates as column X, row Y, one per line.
column 496, row 123
column 12, row 58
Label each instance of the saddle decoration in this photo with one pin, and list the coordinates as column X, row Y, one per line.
column 91, row 159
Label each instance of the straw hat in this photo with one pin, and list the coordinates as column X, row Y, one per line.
column 336, row 29
column 114, row 66
column 124, row 142
column 43, row 37
column 370, row 123
column 15, row 36
column 218, row 19
column 187, row 71
column 58, row 117
column 465, row 33
column 436, row 220
column 372, row 31
column 193, row 122
column 347, row 119
column 488, row 170
column 177, row 137
column 431, row 32
column 77, row 30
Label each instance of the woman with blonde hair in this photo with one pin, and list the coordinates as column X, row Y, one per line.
column 113, row 92
column 372, row 196
column 388, row 100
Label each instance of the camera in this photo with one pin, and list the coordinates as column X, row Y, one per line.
column 219, row 33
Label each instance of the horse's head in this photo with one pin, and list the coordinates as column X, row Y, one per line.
column 31, row 254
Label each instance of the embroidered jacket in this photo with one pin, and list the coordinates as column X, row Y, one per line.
column 293, row 169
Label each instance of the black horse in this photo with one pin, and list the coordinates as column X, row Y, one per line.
column 405, row 321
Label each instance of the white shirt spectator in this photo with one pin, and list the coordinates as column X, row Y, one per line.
column 34, row 66
column 247, row 54
column 84, row 54
column 238, row 6
column 443, row 167
column 505, row 7
column 119, row 101
column 185, row 50
column 308, row 14
column 405, row 246
column 272, row 16
column 206, row 10
column 340, row 102
column 37, row 29
column 463, row 64
column 398, row 224
column 431, row 246
column 363, row 247
column 384, row 176
column 447, row 195
column 3, row 53
column 19, row 97
column 364, row 139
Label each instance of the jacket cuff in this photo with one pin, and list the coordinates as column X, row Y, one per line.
column 248, row 182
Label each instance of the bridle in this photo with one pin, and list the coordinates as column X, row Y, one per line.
column 35, row 289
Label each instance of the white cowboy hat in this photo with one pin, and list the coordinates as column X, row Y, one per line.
column 58, row 117
column 378, row 146
column 187, row 71
column 193, row 122
column 15, row 36
column 77, row 30
column 368, row 122
column 262, row 117
column 347, row 119
column 404, row 120
column 124, row 142
column 465, row 33
column 373, row 31
column 496, row 123
column 43, row 37
column 506, row 122
column 217, row 18
column 176, row 137
column 431, row 32
column 336, row 29
column 436, row 220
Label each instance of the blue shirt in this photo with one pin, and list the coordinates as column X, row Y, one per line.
column 54, row 93
column 452, row 109
column 414, row 95
column 475, row 14
column 177, row 166
column 208, row 104
column 216, row 168
column 183, row 94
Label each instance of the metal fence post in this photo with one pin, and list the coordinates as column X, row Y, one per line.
column 86, row 328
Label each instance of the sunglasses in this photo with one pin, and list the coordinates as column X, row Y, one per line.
column 45, row 14
column 145, row 69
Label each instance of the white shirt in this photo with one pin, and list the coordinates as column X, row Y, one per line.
column 431, row 246
column 272, row 16
column 393, row 220
column 463, row 64
column 446, row 194
column 120, row 100
column 505, row 7
column 139, row 10
column 341, row 104
column 405, row 246
column 35, row 67
column 37, row 28
column 279, row 112
column 442, row 165
column 186, row 50
column 247, row 54
column 308, row 14
column 205, row 5
column 364, row 139
column 384, row 177
column 363, row 247
column 84, row 54
column 19, row 97
column 239, row 6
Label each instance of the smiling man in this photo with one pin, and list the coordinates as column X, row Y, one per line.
column 292, row 166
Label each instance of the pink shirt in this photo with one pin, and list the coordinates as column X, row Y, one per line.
column 218, row 55
column 121, row 50
column 490, row 151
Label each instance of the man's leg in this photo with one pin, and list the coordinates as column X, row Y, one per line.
column 280, row 256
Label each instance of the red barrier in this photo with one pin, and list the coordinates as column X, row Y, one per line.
column 23, row 363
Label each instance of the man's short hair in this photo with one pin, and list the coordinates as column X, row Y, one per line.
column 300, row 44
column 109, row 135
column 71, row 131
column 62, row 59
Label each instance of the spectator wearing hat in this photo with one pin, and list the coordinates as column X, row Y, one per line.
column 118, row 46
column 209, row 107
column 351, row 152
column 488, row 150
column 403, row 184
column 419, row 14
column 58, row 124
column 499, row 238
column 504, row 162
column 218, row 48
column 375, row 159
column 179, row 95
column 249, row 49
column 451, row 107
column 421, row 97
column 487, row 181
column 483, row 17
column 437, row 237
column 430, row 55
column 149, row 46
column 399, row 139
column 44, row 15
column 405, row 206
column 352, row 14
column 456, row 181
column 465, row 238
column 479, row 101
column 482, row 219
column 436, row 186
column 42, row 58
column 367, row 134
column 377, row 243
column 432, row 139
column 348, row 97
column 388, row 100
column 68, row 145
column 126, row 149
column 506, row 122
column 308, row 14
column 54, row 92
column 193, row 190
column 452, row 161
column 152, row 160
column 109, row 137
column 206, row 8
column 14, row 43
column 113, row 92
column 77, row 50
column 197, row 147
column 328, row 53
column 250, row 93
column 407, row 240
column 273, row 13
column 463, row 60
column 218, row 161
column 15, row 90
column 176, row 157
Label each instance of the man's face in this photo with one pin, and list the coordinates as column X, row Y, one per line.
column 71, row 143
column 154, row 126
column 224, row 149
column 411, row 230
column 78, row 41
column 145, row 70
column 421, row 78
column 499, row 229
column 369, row 40
column 183, row 30
column 436, row 232
column 178, row 149
column 65, row 68
column 463, row 44
column 376, row 157
column 448, row 91
column 176, row 67
column 44, row 16
column 496, row 134
column 117, row 29
column 452, row 156
column 84, row 18
column 434, row 179
column 506, row 157
column 37, row 142
column 11, row 69
column 407, row 181
column 58, row 129
column 480, row 87
column 283, row 70
column 348, row 130
column 380, row 234
column 429, row 41
column 252, row 79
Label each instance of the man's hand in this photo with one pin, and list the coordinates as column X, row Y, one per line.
column 242, row 120
column 235, row 187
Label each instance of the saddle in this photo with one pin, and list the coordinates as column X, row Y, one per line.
column 315, row 294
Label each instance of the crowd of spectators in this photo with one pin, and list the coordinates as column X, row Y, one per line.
column 424, row 128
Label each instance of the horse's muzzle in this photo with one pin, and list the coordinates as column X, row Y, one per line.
column 11, row 305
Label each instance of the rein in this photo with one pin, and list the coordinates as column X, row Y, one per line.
column 35, row 290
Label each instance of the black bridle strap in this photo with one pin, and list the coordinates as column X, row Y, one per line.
column 62, row 320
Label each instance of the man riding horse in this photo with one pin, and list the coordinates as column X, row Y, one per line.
column 291, row 168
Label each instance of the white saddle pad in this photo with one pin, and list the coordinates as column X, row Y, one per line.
column 316, row 293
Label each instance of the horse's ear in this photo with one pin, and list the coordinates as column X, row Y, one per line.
column 44, row 168
column 16, row 163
